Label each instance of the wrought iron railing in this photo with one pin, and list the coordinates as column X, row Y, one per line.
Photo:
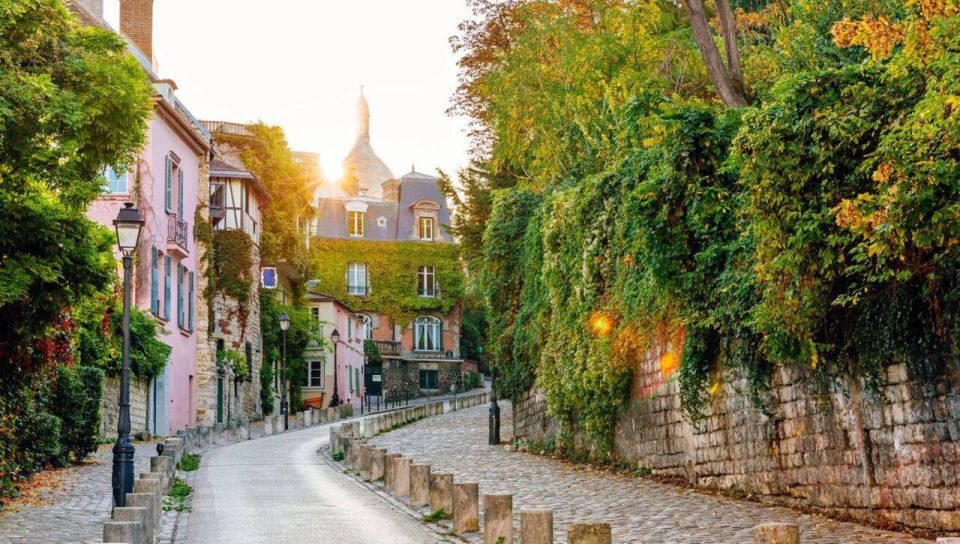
column 177, row 230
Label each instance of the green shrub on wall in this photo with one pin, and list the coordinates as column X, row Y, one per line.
column 392, row 270
column 76, row 402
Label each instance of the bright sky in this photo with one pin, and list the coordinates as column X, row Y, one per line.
column 299, row 64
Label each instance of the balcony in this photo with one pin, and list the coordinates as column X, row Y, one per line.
column 177, row 236
column 387, row 347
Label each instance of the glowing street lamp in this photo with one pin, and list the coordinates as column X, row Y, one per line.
column 284, row 403
column 335, row 399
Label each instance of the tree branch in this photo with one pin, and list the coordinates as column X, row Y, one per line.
column 711, row 56
column 728, row 28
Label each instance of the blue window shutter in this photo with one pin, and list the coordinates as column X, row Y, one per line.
column 168, row 184
column 154, row 282
column 180, row 193
column 190, row 302
column 180, row 308
column 166, row 287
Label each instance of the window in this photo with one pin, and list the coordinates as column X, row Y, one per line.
column 356, row 379
column 357, row 279
column 428, row 379
column 315, row 374
column 382, row 222
column 349, row 328
column 315, row 314
column 367, row 327
column 154, row 281
column 426, row 281
column 113, row 182
column 181, row 309
column 167, row 281
column 350, row 376
column 190, row 297
column 180, row 192
column 426, row 334
column 168, row 184
column 426, row 228
column 355, row 223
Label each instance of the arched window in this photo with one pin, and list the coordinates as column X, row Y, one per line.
column 367, row 327
column 426, row 281
column 426, row 334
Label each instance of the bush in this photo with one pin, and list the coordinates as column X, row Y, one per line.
column 40, row 441
column 472, row 380
column 77, row 403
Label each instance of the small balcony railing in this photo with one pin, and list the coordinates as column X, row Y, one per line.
column 177, row 231
column 388, row 347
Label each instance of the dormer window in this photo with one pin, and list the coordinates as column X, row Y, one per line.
column 355, row 223
column 426, row 228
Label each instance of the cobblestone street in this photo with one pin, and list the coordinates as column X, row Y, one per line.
column 74, row 510
column 639, row 510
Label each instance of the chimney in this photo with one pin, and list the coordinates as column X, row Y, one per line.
column 136, row 23
column 391, row 190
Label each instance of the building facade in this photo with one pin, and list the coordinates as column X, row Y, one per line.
column 322, row 380
column 379, row 245
column 167, row 183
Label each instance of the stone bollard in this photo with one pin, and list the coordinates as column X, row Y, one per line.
column 350, row 452
column 466, row 508
column 147, row 501
column 388, row 470
column 299, row 420
column 497, row 519
column 277, row 423
column 267, row 426
column 163, row 482
column 776, row 533
column 163, row 465
column 137, row 515
column 441, row 492
column 334, row 432
column 149, row 489
column 536, row 527
column 376, row 464
column 366, row 450
column 948, row 540
column 331, row 414
column 419, row 485
column 589, row 533
column 401, row 477
column 126, row 532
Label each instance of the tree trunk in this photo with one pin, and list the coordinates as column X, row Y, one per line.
column 728, row 27
column 728, row 92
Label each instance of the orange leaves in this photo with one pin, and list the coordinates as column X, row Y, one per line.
column 877, row 34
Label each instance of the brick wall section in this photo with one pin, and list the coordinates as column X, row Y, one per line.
column 886, row 456
column 136, row 22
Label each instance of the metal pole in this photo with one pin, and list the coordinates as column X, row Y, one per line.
column 335, row 399
column 123, row 450
column 494, row 420
column 285, row 399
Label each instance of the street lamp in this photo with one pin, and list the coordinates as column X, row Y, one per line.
column 284, row 403
column 335, row 399
column 128, row 224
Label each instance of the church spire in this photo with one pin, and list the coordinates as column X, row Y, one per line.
column 363, row 116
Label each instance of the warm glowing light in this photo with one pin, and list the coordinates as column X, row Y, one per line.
column 333, row 172
column 669, row 363
column 601, row 325
column 715, row 388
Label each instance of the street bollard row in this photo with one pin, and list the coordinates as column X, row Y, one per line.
column 136, row 522
column 437, row 491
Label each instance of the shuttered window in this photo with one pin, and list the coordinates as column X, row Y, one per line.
column 154, row 281
column 181, row 309
column 166, row 286
column 180, row 192
column 168, row 184
column 190, row 302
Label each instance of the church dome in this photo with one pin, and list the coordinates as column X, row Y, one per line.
column 362, row 166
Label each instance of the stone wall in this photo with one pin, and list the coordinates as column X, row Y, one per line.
column 401, row 379
column 887, row 456
column 110, row 406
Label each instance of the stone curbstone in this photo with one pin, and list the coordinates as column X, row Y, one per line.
column 152, row 490
column 376, row 464
column 497, row 519
column 126, row 532
column 466, row 507
column 388, row 470
column 137, row 515
column 589, row 533
column 776, row 533
column 364, row 461
column 419, row 485
column 536, row 527
column 441, row 492
column 401, row 477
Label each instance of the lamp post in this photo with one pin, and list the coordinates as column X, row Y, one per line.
column 128, row 225
column 284, row 402
column 494, row 421
column 335, row 399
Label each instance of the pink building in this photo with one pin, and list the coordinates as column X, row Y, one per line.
column 331, row 314
column 165, row 183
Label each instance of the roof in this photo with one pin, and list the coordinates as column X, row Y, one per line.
column 363, row 163
column 221, row 169
column 316, row 296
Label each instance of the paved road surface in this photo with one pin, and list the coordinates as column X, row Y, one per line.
column 278, row 490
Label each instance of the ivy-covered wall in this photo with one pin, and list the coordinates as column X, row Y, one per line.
column 392, row 271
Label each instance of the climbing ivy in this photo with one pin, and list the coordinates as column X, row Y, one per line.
column 392, row 271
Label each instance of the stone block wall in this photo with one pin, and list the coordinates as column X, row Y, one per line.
column 887, row 456
column 400, row 378
column 110, row 406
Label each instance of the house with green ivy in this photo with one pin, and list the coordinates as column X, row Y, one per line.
column 378, row 244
